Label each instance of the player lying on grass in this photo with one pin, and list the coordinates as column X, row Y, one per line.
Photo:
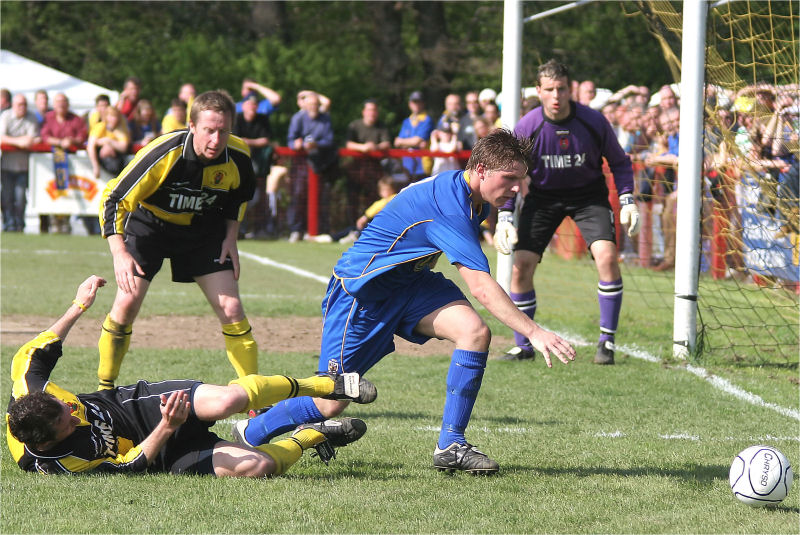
column 162, row 426
column 384, row 286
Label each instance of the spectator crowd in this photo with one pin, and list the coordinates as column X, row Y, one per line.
column 751, row 132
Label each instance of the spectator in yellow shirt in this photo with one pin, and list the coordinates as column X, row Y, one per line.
column 176, row 118
column 108, row 143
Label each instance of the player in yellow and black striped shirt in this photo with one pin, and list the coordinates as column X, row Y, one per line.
column 161, row 427
column 182, row 197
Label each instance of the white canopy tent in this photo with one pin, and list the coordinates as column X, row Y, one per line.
column 19, row 74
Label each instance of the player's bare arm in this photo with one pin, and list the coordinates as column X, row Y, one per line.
column 84, row 298
column 486, row 290
column 174, row 412
column 230, row 249
column 125, row 266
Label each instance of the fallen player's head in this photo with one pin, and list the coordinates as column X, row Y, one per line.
column 33, row 417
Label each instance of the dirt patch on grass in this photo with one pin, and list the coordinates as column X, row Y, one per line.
column 277, row 335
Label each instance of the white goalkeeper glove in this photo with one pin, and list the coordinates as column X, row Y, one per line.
column 629, row 213
column 505, row 235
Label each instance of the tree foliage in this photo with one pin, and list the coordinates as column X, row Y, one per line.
column 347, row 50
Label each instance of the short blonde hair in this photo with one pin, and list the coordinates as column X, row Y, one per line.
column 218, row 100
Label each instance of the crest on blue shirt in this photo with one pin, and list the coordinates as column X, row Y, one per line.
column 563, row 143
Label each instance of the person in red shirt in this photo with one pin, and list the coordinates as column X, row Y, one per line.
column 129, row 97
column 61, row 127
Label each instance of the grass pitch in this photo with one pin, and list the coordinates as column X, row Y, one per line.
column 640, row 447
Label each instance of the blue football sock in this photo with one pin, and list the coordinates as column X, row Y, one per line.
column 282, row 417
column 463, row 383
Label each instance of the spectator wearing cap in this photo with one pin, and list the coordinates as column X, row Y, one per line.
column 485, row 97
column 268, row 101
column 415, row 133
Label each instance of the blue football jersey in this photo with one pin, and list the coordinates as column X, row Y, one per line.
column 427, row 218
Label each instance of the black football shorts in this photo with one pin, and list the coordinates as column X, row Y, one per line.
column 190, row 448
column 193, row 249
column 544, row 210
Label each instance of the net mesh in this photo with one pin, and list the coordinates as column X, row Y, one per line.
column 748, row 304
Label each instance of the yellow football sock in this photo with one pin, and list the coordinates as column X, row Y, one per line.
column 241, row 346
column 113, row 345
column 286, row 452
column 264, row 390
column 308, row 438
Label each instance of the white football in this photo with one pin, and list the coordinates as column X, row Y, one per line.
column 760, row 475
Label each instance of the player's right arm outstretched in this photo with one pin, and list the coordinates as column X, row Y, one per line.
column 84, row 298
column 486, row 290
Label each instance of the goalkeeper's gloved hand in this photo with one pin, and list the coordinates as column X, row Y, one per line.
column 629, row 213
column 505, row 235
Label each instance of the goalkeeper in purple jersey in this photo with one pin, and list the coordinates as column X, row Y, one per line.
column 570, row 141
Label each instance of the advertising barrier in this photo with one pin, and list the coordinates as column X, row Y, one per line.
column 52, row 191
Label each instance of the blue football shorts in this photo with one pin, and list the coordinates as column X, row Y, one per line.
column 357, row 333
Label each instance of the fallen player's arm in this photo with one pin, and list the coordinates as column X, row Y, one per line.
column 174, row 411
column 84, row 298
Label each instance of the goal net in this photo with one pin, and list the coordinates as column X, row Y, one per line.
column 748, row 289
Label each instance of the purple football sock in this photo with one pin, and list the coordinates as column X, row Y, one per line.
column 609, row 295
column 526, row 302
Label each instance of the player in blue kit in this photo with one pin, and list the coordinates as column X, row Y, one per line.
column 384, row 286
column 569, row 141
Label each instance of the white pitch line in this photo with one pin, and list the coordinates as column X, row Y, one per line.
column 54, row 252
column 263, row 260
column 764, row 439
column 727, row 386
column 715, row 381
column 613, row 434
column 680, row 436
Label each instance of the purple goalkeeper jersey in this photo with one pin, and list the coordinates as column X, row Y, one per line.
column 569, row 154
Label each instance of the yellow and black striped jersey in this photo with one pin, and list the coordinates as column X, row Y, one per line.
column 168, row 178
column 106, row 438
